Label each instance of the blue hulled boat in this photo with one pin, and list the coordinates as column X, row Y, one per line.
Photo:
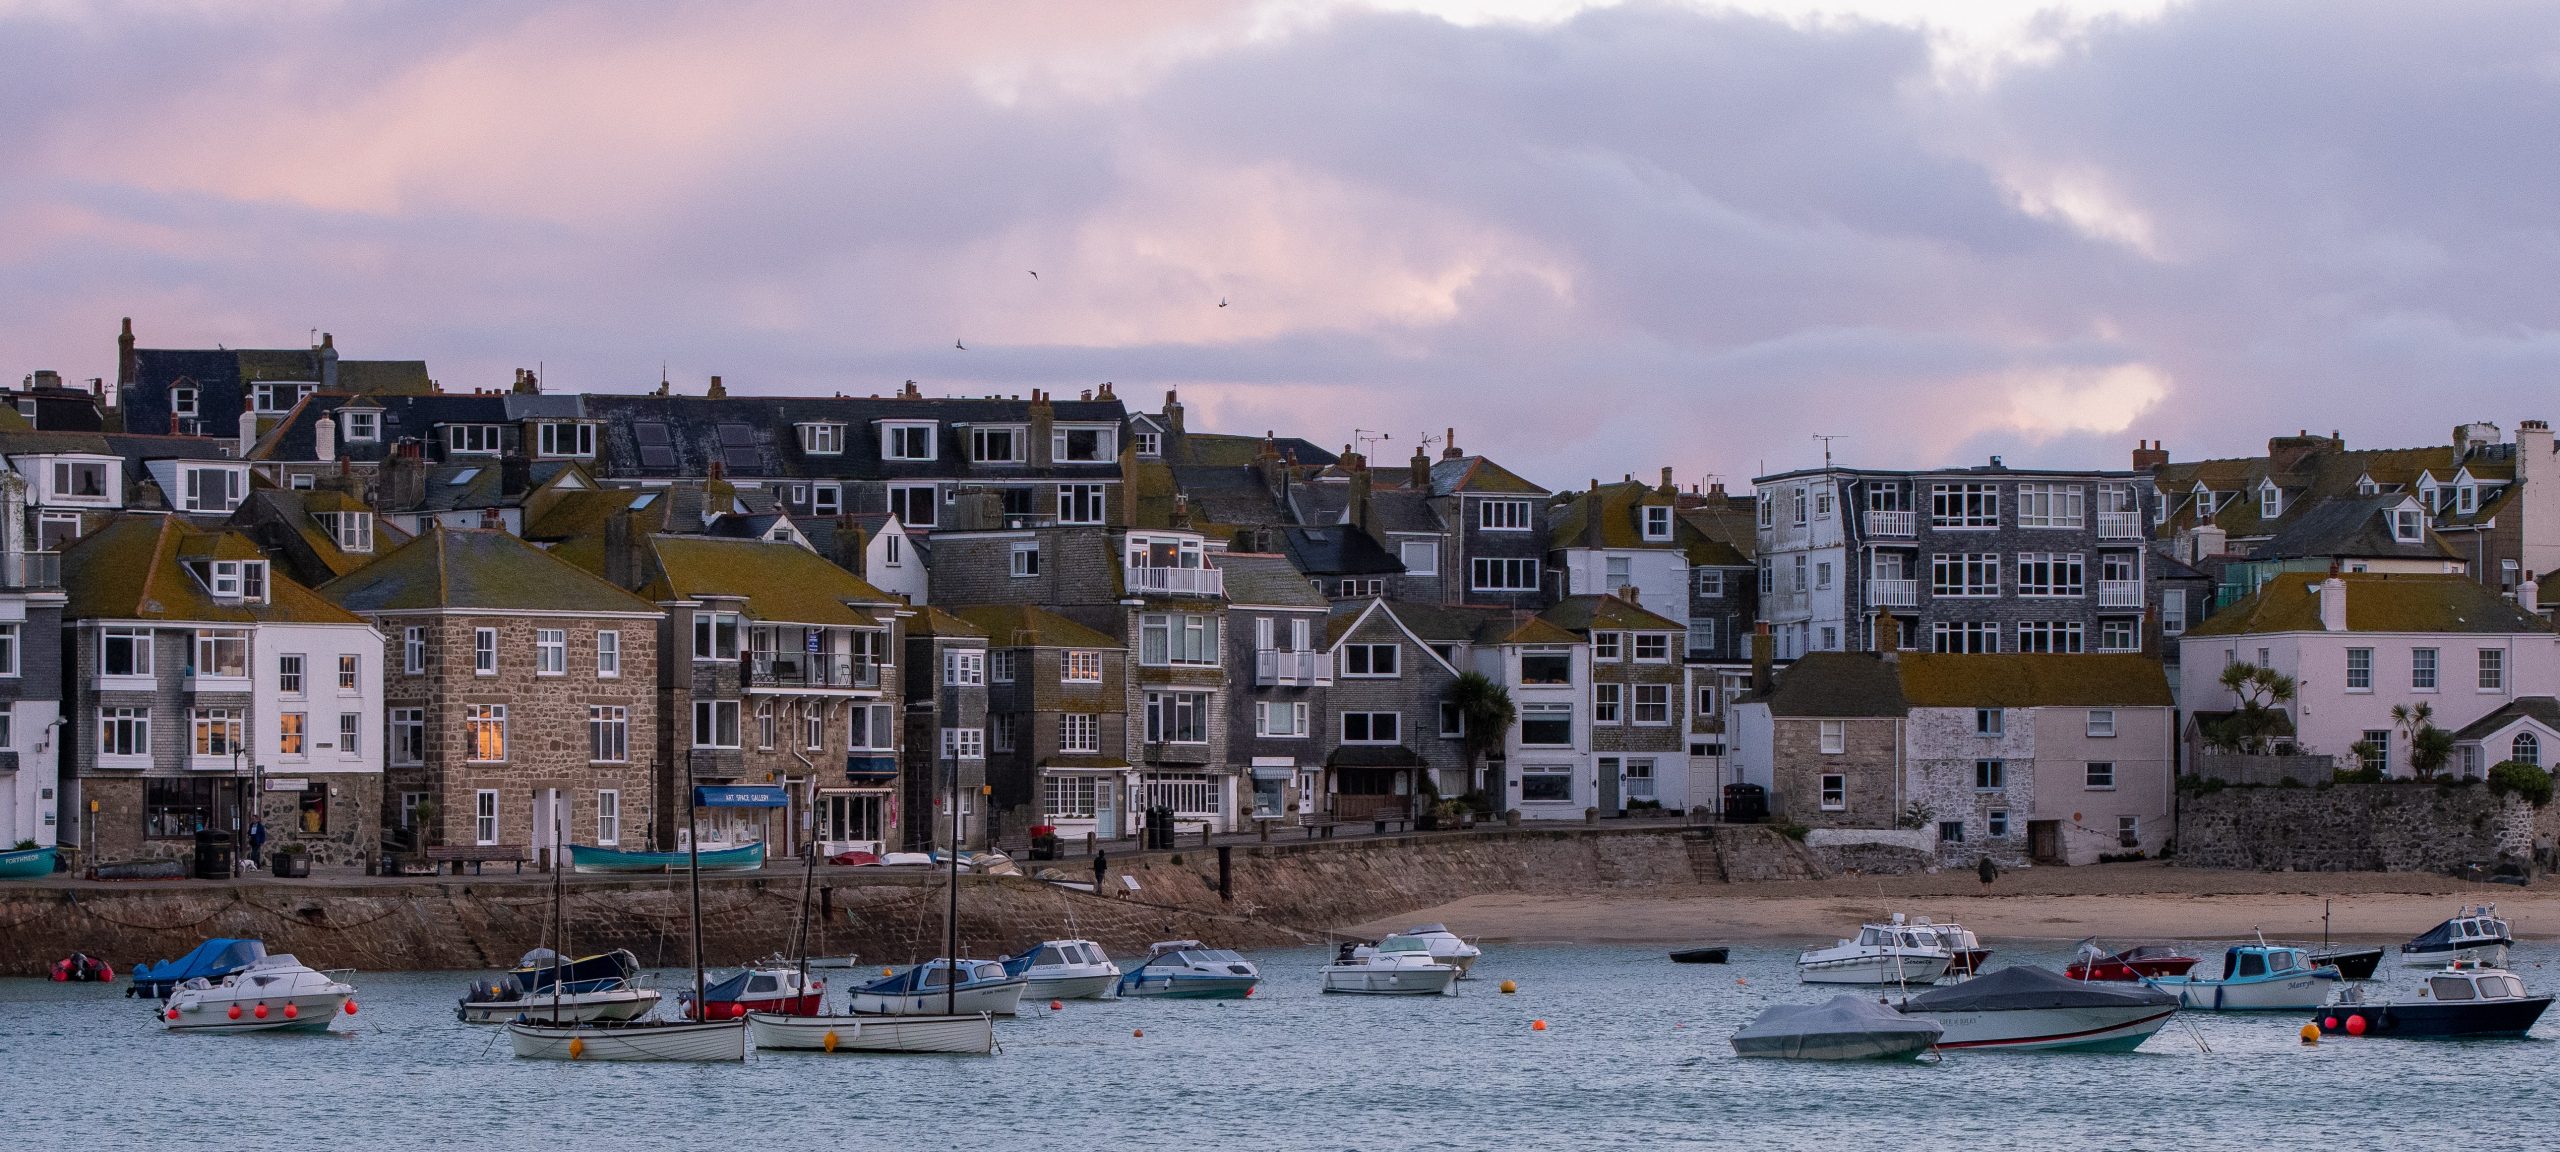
column 2255, row 978
column 26, row 863
column 212, row 960
column 589, row 858
column 927, row 990
column 2462, row 1000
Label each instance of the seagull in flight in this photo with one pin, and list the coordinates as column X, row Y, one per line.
column 1034, row 275
column 1222, row 301
column 959, row 345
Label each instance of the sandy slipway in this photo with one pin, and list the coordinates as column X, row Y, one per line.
column 1591, row 886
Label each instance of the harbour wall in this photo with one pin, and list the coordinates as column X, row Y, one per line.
column 2386, row 827
column 1282, row 894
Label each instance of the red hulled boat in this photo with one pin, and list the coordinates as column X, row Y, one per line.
column 760, row 988
column 2131, row 964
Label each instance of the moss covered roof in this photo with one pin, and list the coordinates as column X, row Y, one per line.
column 486, row 569
column 780, row 582
column 2376, row 602
column 1587, row 614
column 1027, row 626
column 2030, row 680
column 137, row 568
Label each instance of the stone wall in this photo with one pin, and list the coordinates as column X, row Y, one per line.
column 2240, row 768
column 1875, row 851
column 1284, row 894
column 2395, row 827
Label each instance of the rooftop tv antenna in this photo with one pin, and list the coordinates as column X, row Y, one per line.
column 1827, row 438
column 1367, row 439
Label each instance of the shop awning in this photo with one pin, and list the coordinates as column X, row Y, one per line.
column 1281, row 772
column 739, row 796
column 866, row 768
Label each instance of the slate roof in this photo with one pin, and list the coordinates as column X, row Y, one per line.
column 1029, row 626
column 1569, row 521
column 477, row 569
column 1338, row 550
column 757, row 436
column 2311, row 469
column 1266, row 581
column 1444, row 624
column 1837, row 685
column 1588, row 613
column 931, row 621
column 221, row 377
column 2376, row 602
column 404, row 417
column 1228, row 495
column 1213, row 450
column 2356, row 527
column 2543, row 710
column 2032, row 680
column 780, row 582
column 1452, row 476
column 134, row 568
column 295, row 510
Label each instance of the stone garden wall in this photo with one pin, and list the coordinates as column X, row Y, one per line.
column 2394, row 827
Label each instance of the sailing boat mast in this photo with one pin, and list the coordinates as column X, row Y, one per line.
column 951, row 912
column 693, row 874
column 800, row 941
column 559, row 913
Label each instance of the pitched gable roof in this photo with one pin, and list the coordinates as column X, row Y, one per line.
column 781, row 582
column 1588, row 613
column 2376, row 602
column 2030, row 680
column 135, row 568
column 1837, row 685
column 1029, row 626
column 1266, row 581
column 483, row 569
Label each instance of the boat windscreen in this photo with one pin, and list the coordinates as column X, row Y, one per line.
column 1215, row 955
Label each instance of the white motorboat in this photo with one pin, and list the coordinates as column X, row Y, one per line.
column 1890, row 953
column 927, row 990
column 606, row 986
column 2021, row 1009
column 2255, row 978
column 965, row 1035
column 1445, row 946
column 637, row 1040
column 1065, row 970
column 1844, row 1028
column 1398, row 966
column 2476, row 935
column 273, row 994
column 1966, row 954
column 1187, row 970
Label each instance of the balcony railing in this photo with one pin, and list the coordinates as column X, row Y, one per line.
column 2119, row 526
column 1885, row 523
column 31, row 570
column 807, row 671
column 2119, row 593
column 1273, row 668
column 1893, row 593
column 1177, row 581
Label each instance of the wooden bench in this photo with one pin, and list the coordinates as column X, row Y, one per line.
column 476, row 855
column 1316, row 828
column 1401, row 822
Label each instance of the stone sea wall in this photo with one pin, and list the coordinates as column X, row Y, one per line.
column 2395, row 827
column 1283, row 894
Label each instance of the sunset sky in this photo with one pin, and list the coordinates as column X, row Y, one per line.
column 1597, row 238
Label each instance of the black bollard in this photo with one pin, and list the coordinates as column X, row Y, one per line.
column 1226, row 872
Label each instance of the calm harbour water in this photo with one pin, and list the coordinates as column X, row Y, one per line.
column 1635, row 1056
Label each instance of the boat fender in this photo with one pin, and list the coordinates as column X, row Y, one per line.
column 831, row 1039
column 235, row 1011
column 2356, row 1025
column 351, row 1006
column 1057, row 1006
column 173, row 1014
column 262, row 1010
column 577, row 1047
column 1140, row 1033
column 1537, row 1025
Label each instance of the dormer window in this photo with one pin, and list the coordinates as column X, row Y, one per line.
column 996, row 445
column 906, row 440
column 821, row 439
column 1148, row 444
column 476, row 438
column 2270, row 502
column 2466, row 499
column 353, row 531
column 1082, row 446
column 182, row 403
column 2408, row 525
column 273, row 396
column 2366, row 487
column 1657, row 522
column 361, row 425
column 212, row 489
column 243, row 580
column 565, row 438
column 80, row 480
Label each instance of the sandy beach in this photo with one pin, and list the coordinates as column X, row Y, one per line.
column 2118, row 903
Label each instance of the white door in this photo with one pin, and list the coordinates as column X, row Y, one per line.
column 550, row 817
column 1106, row 808
column 10, row 833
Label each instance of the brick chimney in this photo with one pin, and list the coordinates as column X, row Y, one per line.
column 719, row 496
column 403, row 485
column 718, row 391
column 1356, row 467
column 1668, row 488
column 852, row 546
column 623, row 558
column 2148, row 455
column 2286, row 453
column 1888, row 634
column 327, row 353
column 1172, row 413
column 1419, row 470
column 1591, row 535
column 128, row 365
column 1449, row 447
column 1043, row 417
column 1763, row 653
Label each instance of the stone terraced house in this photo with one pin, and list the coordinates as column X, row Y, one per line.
column 1057, row 737
column 521, row 695
column 946, row 729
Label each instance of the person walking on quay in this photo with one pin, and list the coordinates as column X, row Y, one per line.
column 1988, row 870
column 1101, row 868
column 257, row 841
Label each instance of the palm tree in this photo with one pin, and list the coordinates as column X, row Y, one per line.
column 1485, row 711
column 2429, row 746
column 2253, row 727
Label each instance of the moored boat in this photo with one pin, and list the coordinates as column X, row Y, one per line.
column 1185, row 970
column 2351, row 963
column 2130, row 965
column 2461, row 1000
column 2023, row 1009
column 962, row 1035
column 938, row 987
column 590, row 858
column 605, row 986
column 2477, row 934
column 26, row 863
column 1965, row 953
column 1398, row 966
column 1711, row 954
column 1065, row 970
column 1444, row 945
column 210, row 961
column 682, row 1041
column 273, row 994
column 774, row 988
column 1842, row 1028
column 2255, row 978
column 1894, row 952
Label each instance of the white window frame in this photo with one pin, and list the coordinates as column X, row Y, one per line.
column 717, row 724
column 1023, row 560
column 1081, row 666
column 1420, row 557
column 565, row 439
column 1504, row 574
column 413, row 650
column 608, row 654
column 608, row 816
column 964, row 667
column 2493, row 670
column 408, row 736
column 484, row 816
column 1366, row 657
column 550, row 651
column 1835, row 792
column 1503, row 514
column 2102, row 724
column 1608, row 704
column 1652, row 705
column 1081, row 732
column 1657, row 522
column 479, row 718
column 2099, row 776
column 1083, row 503
column 1015, row 435
column 2426, row 668
column 894, row 431
column 484, row 651
column 1834, row 735
column 1106, row 443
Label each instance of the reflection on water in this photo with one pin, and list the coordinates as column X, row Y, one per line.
column 1634, row 1057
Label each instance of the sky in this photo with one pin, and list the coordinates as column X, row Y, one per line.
column 1595, row 238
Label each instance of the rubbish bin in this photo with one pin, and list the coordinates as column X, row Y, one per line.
column 213, row 856
column 1745, row 804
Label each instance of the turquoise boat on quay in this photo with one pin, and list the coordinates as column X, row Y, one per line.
column 26, row 863
column 590, row 858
